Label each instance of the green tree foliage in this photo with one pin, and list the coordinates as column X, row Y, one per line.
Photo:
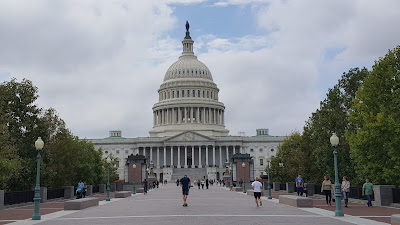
column 291, row 160
column 65, row 158
column 310, row 153
column 376, row 114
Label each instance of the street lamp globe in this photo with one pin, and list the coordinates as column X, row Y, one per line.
column 134, row 166
column 39, row 143
column 243, row 165
column 108, row 160
column 334, row 140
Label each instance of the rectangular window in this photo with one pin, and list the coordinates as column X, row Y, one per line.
column 261, row 162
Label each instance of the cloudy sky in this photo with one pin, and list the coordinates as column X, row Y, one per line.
column 99, row 63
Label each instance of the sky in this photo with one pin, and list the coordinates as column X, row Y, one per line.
column 99, row 63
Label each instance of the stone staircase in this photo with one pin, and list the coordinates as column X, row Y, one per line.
column 192, row 173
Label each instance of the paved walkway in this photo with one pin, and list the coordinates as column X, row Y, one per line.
column 216, row 205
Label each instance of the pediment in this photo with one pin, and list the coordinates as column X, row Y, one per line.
column 189, row 136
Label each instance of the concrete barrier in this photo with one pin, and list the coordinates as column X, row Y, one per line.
column 296, row 201
column 290, row 186
column 68, row 192
column 81, row 203
column 1, row 199
column 43, row 194
column 277, row 186
column 395, row 219
column 122, row 194
column 383, row 195
column 89, row 190
column 102, row 188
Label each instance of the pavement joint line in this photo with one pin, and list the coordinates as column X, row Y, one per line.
column 326, row 213
column 201, row 215
column 45, row 217
column 346, row 218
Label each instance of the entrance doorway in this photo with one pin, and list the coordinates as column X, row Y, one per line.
column 189, row 161
column 161, row 177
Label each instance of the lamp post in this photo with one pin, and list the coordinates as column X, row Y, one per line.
column 134, row 187
column 335, row 142
column 230, row 173
column 244, row 183
column 147, row 178
column 269, row 184
column 108, row 178
column 36, row 213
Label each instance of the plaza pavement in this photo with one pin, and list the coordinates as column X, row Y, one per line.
column 216, row 205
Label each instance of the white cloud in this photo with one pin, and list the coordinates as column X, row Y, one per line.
column 100, row 63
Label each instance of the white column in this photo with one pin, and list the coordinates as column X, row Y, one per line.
column 209, row 113
column 203, row 120
column 223, row 117
column 227, row 153
column 167, row 115
column 215, row 116
column 165, row 156
column 172, row 156
column 241, row 149
column 206, row 155
column 200, row 166
column 158, row 157
column 144, row 151
column 192, row 156
column 198, row 115
column 220, row 156
column 186, row 114
column 191, row 114
column 179, row 157
column 186, row 166
column 213, row 155
column 151, row 154
column 179, row 115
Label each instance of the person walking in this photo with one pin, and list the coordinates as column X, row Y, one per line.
column 202, row 184
column 368, row 190
column 145, row 187
column 299, row 185
column 326, row 188
column 185, row 183
column 198, row 183
column 257, row 186
column 345, row 187
column 207, row 183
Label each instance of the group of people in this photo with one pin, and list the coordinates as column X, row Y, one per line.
column 328, row 189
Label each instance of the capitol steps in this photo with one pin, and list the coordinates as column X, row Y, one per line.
column 192, row 173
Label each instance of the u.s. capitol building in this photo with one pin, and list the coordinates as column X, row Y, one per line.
column 189, row 134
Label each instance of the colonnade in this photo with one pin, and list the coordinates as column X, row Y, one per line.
column 178, row 115
column 196, row 156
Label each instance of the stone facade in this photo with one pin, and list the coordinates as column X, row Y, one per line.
column 188, row 128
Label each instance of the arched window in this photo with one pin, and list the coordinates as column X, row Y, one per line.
column 173, row 94
column 207, row 95
column 183, row 93
column 168, row 94
column 188, row 93
column 194, row 93
column 198, row 93
column 203, row 94
column 177, row 94
column 211, row 95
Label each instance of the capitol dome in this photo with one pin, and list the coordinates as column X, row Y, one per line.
column 188, row 98
column 188, row 67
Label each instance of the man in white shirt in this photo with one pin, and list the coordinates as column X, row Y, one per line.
column 257, row 186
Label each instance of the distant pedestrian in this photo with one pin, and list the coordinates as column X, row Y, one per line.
column 368, row 190
column 257, row 186
column 202, row 184
column 145, row 187
column 198, row 183
column 185, row 183
column 327, row 190
column 345, row 187
column 157, row 183
column 207, row 183
column 299, row 185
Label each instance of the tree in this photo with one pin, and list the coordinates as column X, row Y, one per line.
column 376, row 114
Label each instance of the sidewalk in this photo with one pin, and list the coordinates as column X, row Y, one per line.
column 14, row 214
column 377, row 213
column 216, row 205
